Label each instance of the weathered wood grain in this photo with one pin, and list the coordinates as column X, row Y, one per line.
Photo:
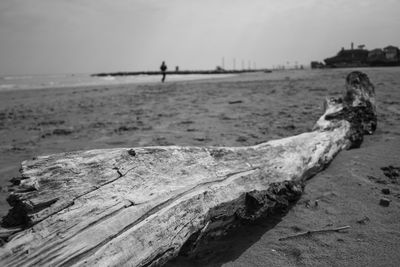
column 142, row 206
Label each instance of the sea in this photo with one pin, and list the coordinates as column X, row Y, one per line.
column 23, row 82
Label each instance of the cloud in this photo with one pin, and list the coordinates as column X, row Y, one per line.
column 102, row 35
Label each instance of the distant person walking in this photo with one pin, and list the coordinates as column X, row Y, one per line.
column 163, row 69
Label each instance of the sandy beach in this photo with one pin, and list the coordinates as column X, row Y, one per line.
column 243, row 110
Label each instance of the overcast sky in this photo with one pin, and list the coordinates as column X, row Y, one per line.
column 87, row 36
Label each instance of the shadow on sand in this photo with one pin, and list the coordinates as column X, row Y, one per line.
column 228, row 248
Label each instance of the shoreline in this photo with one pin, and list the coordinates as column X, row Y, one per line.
column 92, row 81
column 178, row 72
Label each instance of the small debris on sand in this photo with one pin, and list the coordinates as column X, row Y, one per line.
column 241, row 139
column 386, row 191
column 62, row 131
column 126, row 128
column 384, row 202
column 363, row 220
column 309, row 233
column 236, row 102
column 393, row 173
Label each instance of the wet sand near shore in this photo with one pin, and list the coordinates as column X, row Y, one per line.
column 237, row 111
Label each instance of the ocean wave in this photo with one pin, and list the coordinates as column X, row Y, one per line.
column 12, row 78
column 78, row 80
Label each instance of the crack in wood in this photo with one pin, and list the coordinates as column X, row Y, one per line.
column 23, row 213
column 149, row 213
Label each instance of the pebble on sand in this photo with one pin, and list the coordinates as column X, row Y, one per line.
column 384, row 202
column 385, row 191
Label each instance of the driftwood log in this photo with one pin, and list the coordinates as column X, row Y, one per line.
column 143, row 206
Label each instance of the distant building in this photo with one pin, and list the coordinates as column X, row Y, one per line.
column 376, row 53
column 348, row 58
column 219, row 69
column 391, row 53
column 389, row 56
column 376, row 57
column 316, row 65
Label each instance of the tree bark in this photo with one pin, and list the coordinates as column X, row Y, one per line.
column 142, row 206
